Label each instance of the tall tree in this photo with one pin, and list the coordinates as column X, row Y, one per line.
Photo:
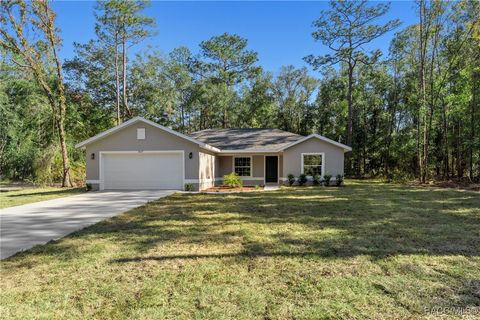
column 133, row 28
column 293, row 91
column 39, row 56
column 227, row 61
column 92, row 72
column 344, row 29
column 443, row 43
column 104, row 62
column 257, row 107
column 178, row 72
column 331, row 106
column 108, row 32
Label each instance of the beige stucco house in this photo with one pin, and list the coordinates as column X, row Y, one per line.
column 140, row 154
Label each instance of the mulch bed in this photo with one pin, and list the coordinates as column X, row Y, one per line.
column 230, row 189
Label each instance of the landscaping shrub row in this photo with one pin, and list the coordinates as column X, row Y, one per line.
column 317, row 180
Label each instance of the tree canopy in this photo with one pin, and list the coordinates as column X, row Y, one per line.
column 410, row 113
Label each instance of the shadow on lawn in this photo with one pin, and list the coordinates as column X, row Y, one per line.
column 374, row 220
column 217, row 256
column 378, row 220
column 42, row 193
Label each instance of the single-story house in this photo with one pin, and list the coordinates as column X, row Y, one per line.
column 141, row 154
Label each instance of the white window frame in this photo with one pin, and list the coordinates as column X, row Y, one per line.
column 251, row 165
column 141, row 133
column 322, row 154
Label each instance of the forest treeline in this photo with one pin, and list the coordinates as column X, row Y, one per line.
column 412, row 112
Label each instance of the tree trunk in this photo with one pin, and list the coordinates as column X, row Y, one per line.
column 224, row 120
column 432, row 98
column 475, row 80
column 124, row 74
column 419, row 153
column 391, row 125
column 446, row 172
column 426, row 143
column 117, row 82
column 423, row 158
column 349, row 139
column 453, row 149
column 364, row 147
column 459, row 151
column 66, row 181
column 183, row 117
column 350, row 105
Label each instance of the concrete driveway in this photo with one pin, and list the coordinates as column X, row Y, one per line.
column 25, row 226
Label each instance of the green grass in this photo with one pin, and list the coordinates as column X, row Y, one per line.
column 368, row 250
column 30, row 195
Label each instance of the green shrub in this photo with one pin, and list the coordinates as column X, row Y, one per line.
column 302, row 179
column 232, row 180
column 47, row 167
column 257, row 187
column 291, row 179
column 397, row 175
column 339, row 179
column 316, row 179
column 326, row 178
column 188, row 186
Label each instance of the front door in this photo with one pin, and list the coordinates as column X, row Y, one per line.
column 271, row 169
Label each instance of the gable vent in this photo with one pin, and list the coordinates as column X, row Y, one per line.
column 140, row 133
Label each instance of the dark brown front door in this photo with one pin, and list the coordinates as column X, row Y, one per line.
column 271, row 169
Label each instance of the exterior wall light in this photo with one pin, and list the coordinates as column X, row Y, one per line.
column 92, row 156
column 190, row 155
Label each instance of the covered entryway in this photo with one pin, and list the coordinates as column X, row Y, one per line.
column 271, row 169
column 141, row 170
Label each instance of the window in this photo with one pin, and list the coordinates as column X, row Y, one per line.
column 312, row 164
column 243, row 166
column 140, row 133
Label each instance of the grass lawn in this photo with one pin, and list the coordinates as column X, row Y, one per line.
column 24, row 196
column 368, row 250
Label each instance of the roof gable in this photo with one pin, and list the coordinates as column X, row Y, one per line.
column 317, row 136
column 140, row 119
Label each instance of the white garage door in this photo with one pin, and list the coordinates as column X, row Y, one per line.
column 142, row 170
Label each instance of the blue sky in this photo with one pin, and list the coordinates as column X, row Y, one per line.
column 279, row 31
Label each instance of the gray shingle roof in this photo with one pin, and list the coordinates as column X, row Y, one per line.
column 246, row 139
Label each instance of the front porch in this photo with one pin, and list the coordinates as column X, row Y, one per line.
column 253, row 169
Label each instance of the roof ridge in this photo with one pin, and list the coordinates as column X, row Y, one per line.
column 256, row 129
column 263, row 128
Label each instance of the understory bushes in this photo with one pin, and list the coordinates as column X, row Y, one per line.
column 41, row 166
